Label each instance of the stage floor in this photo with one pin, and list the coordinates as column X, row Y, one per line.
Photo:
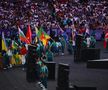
column 80, row 75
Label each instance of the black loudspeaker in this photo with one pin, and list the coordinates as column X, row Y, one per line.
column 77, row 52
column 85, row 88
column 90, row 54
column 32, row 54
column 77, row 55
column 63, row 76
column 98, row 64
column 32, row 51
column 63, row 79
column 61, row 69
column 63, row 88
column 30, row 64
column 31, row 72
column 63, row 66
column 78, row 41
column 51, row 70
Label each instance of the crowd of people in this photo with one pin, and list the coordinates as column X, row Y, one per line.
column 22, row 12
column 62, row 20
column 54, row 15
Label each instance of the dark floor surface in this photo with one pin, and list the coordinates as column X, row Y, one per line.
column 15, row 79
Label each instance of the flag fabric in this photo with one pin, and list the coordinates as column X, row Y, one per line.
column 14, row 45
column 23, row 37
column 43, row 36
column 106, row 36
column 23, row 51
column 105, row 44
column 4, row 47
column 29, row 34
column 17, row 59
column 41, row 32
column 106, row 39
column 43, row 39
column 46, row 35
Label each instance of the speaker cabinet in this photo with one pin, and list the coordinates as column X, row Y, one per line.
column 90, row 54
column 98, row 64
column 63, row 76
column 30, row 64
column 51, row 70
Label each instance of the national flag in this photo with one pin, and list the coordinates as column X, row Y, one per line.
column 4, row 47
column 105, row 44
column 14, row 45
column 46, row 35
column 23, row 51
column 29, row 34
column 22, row 36
column 106, row 36
column 44, row 39
column 106, row 39
column 45, row 42
column 43, row 36
column 41, row 31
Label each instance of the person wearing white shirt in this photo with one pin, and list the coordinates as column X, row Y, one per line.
column 9, row 53
column 88, row 41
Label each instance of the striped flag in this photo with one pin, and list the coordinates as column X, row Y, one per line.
column 23, row 37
